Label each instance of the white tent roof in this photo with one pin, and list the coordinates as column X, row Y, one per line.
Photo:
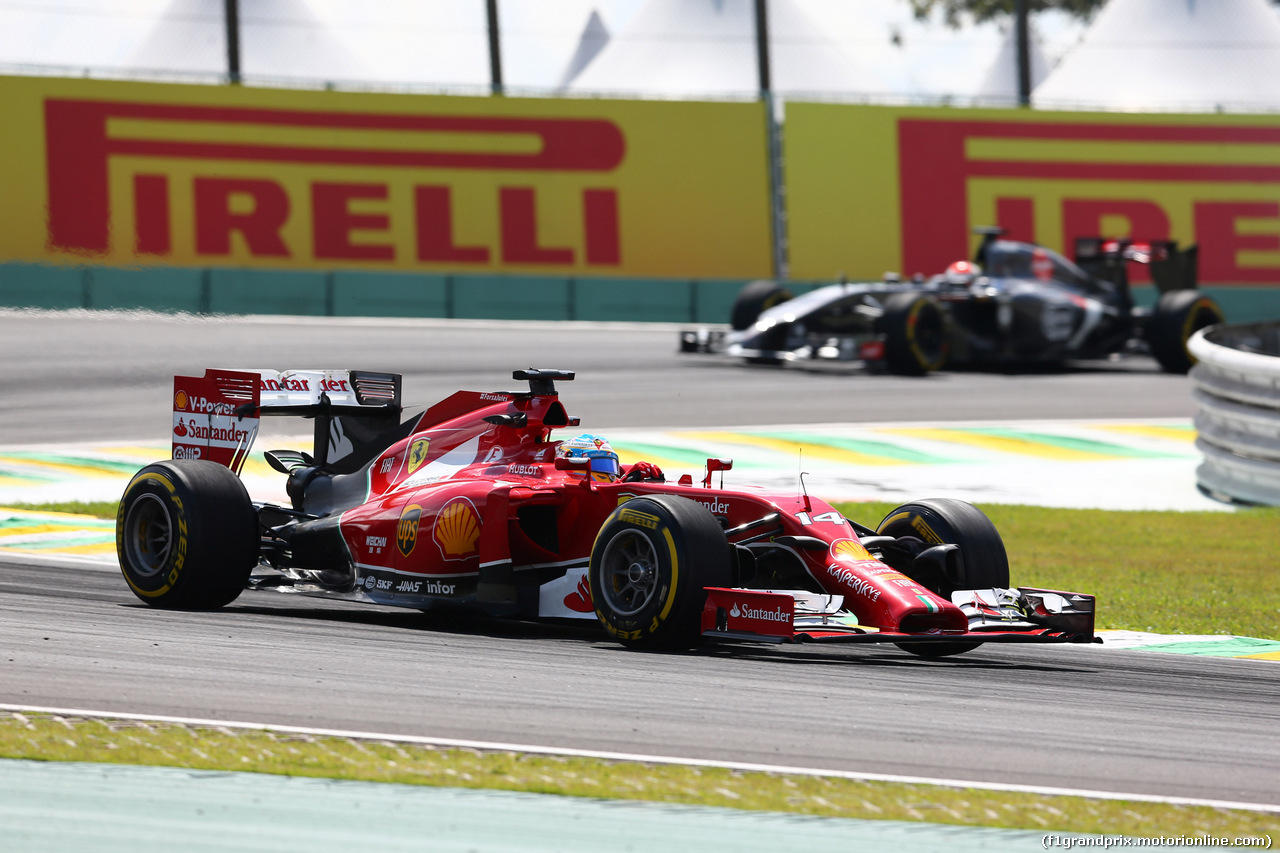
column 1172, row 55
column 872, row 49
column 190, row 35
column 699, row 47
column 1001, row 82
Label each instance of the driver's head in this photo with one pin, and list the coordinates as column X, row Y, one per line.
column 604, row 462
column 962, row 272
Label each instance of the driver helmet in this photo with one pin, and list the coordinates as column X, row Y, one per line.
column 961, row 273
column 604, row 462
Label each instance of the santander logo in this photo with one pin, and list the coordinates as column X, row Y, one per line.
column 776, row 615
column 579, row 601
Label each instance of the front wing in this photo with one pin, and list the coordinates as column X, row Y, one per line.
column 1023, row 615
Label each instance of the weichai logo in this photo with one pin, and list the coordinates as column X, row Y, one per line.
column 1050, row 182
column 380, row 188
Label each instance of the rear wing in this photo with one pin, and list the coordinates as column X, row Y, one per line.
column 1171, row 268
column 216, row 416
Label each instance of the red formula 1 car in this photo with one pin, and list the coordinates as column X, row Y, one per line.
column 471, row 504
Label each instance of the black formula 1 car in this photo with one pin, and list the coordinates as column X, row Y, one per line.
column 1015, row 305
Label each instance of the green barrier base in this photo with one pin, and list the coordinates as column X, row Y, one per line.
column 483, row 297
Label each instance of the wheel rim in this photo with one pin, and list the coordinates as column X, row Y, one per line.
column 926, row 335
column 629, row 573
column 148, row 535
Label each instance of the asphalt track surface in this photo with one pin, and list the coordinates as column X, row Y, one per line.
column 81, row 376
column 1076, row 717
column 1073, row 717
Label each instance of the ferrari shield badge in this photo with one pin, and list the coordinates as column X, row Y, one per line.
column 418, row 453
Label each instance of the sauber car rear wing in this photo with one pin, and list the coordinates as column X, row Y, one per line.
column 1171, row 268
column 216, row 416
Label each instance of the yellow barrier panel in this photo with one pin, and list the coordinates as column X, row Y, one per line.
column 132, row 174
column 872, row 189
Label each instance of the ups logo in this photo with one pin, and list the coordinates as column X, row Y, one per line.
column 407, row 529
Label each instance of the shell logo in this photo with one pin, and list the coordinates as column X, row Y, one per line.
column 849, row 549
column 180, row 400
column 457, row 529
column 407, row 529
column 418, row 453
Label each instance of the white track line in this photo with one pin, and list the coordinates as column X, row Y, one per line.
column 654, row 759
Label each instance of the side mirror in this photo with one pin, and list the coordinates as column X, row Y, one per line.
column 714, row 465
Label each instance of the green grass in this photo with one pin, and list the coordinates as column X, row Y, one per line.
column 53, row 738
column 98, row 509
column 1166, row 572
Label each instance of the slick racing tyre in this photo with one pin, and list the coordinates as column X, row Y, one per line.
column 944, row 521
column 650, row 562
column 753, row 300
column 1177, row 316
column 186, row 535
column 915, row 333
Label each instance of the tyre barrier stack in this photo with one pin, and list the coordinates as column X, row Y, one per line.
column 1237, row 389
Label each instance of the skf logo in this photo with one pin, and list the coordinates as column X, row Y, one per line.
column 407, row 529
column 1114, row 179
column 457, row 529
column 418, row 453
column 201, row 186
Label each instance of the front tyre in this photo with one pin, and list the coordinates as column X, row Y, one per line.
column 945, row 521
column 651, row 560
column 753, row 300
column 1178, row 315
column 915, row 333
column 186, row 535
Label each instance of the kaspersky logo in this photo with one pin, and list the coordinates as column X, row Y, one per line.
column 404, row 218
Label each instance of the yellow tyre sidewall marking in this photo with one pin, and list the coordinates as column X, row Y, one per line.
column 182, row 534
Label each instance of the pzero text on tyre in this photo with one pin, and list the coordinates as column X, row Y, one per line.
column 945, row 521
column 1178, row 315
column 650, row 563
column 186, row 535
column 915, row 333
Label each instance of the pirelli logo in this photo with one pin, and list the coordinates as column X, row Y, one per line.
column 1214, row 184
column 373, row 188
column 642, row 519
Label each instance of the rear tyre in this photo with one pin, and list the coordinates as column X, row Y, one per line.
column 915, row 333
column 186, row 535
column 753, row 300
column 944, row 521
column 650, row 563
column 1177, row 316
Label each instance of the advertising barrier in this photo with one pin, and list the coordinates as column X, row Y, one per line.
column 134, row 174
column 872, row 189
